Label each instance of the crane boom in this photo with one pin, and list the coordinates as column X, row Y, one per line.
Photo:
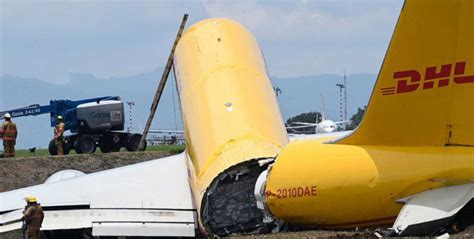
column 65, row 108
column 31, row 110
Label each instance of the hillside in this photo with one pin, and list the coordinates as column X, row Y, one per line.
column 299, row 94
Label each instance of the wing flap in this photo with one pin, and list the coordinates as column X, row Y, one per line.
column 425, row 212
column 146, row 229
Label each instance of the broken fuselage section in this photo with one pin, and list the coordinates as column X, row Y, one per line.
column 231, row 120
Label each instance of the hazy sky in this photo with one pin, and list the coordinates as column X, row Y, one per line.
column 50, row 39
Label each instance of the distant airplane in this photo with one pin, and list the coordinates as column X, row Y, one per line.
column 408, row 165
column 324, row 126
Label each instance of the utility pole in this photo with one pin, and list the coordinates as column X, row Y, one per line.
column 130, row 105
column 161, row 86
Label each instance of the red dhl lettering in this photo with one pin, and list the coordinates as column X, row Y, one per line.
column 294, row 192
column 410, row 80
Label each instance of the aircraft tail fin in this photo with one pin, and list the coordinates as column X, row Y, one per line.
column 424, row 94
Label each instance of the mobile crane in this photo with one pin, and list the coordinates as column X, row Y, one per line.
column 93, row 123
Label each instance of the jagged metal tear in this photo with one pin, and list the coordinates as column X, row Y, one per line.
column 230, row 205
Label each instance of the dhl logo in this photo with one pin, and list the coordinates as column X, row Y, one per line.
column 410, row 80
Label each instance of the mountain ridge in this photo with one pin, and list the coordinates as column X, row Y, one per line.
column 299, row 94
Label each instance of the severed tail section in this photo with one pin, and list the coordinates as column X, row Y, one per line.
column 424, row 94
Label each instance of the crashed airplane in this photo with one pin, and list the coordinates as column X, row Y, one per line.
column 409, row 164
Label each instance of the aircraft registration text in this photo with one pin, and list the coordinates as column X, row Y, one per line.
column 295, row 192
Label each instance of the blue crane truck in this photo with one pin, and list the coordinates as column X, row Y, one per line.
column 95, row 122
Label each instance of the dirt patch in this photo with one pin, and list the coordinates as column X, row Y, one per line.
column 23, row 172
column 467, row 233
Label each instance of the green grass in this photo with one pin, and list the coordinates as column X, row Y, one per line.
column 173, row 149
column 26, row 153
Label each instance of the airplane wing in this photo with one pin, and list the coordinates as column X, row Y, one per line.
column 300, row 127
column 150, row 198
column 305, row 123
column 425, row 212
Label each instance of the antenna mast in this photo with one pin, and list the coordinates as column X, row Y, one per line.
column 345, row 96
column 343, row 99
column 341, row 86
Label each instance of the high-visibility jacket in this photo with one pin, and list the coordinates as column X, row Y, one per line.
column 58, row 131
column 9, row 131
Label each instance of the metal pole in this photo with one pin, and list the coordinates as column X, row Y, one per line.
column 340, row 105
column 341, row 86
column 130, row 105
column 161, row 86
column 345, row 96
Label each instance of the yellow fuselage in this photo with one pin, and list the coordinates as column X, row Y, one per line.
column 334, row 185
column 414, row 136
column 228, row 105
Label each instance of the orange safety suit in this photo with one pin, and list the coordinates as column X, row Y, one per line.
column 59, row 138
column 9, row 133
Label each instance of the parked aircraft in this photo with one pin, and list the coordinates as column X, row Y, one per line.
column 322, row 127
column 411, row 156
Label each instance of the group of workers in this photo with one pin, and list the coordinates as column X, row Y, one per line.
column 33, row 213
column 9, row 133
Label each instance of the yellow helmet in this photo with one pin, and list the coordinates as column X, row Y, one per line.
column 60, row 117
column 31, row 198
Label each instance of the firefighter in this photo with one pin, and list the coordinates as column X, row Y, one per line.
column 8, row 134
column 58, row 135
column 32, row 218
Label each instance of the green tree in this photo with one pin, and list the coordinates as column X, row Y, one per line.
column 310, row 117
column 356, row 118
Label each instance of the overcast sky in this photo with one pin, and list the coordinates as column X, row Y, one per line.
column 50, row 39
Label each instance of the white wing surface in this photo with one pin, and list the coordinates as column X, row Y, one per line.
column 150, row 198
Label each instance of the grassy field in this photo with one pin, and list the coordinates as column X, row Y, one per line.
column 173, row 149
